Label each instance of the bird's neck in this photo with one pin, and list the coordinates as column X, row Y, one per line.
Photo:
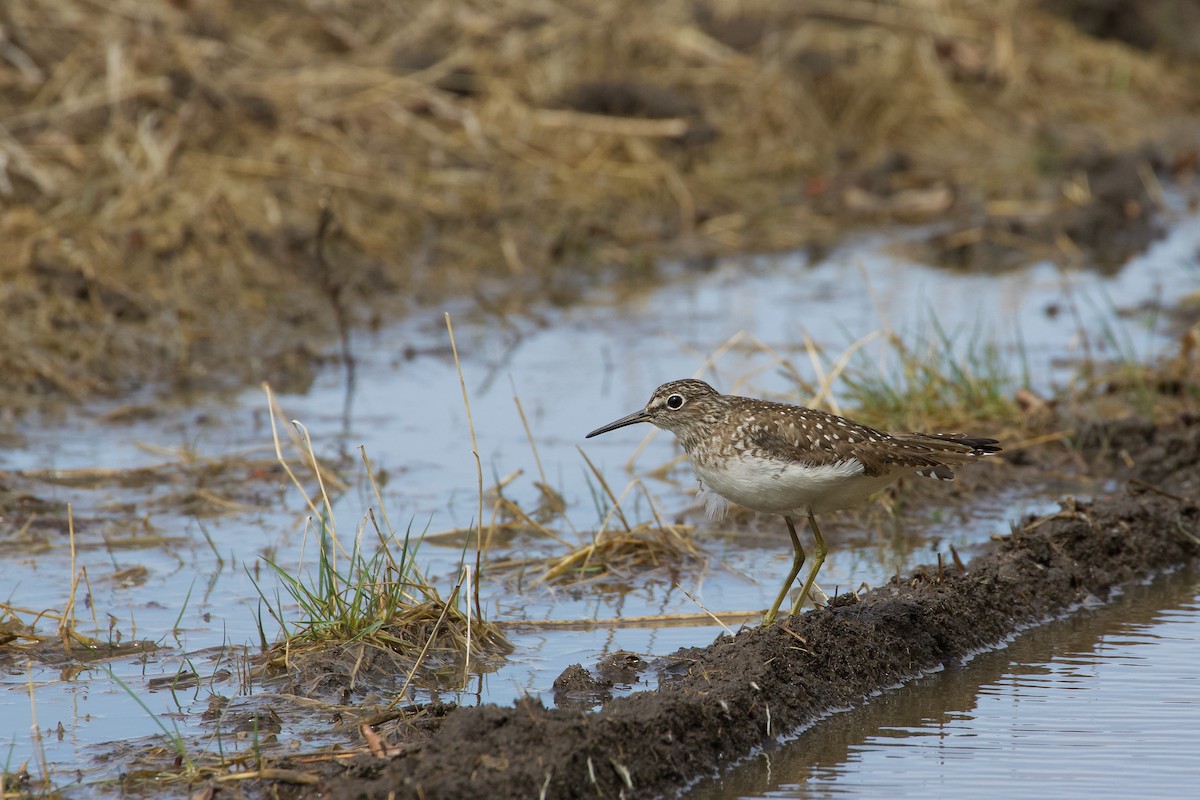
column 698, row 437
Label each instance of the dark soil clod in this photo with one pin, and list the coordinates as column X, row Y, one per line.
column 576, row 689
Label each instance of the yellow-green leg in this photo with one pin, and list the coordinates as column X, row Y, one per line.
column 797, row 563
column 818, row 560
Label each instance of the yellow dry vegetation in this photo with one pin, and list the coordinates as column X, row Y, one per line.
column 198, row 193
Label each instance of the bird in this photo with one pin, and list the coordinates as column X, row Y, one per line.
column 792, row 460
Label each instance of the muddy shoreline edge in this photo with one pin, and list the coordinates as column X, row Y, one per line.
column 718, row 704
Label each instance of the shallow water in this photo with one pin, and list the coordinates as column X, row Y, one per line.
column 573, row 370
column 1105, row 703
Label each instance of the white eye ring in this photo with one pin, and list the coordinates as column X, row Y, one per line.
column 675, row 402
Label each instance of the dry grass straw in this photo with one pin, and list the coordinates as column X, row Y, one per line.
column 367, row 611
column 620, row 551
column 168, row 168
column 552, row 502
column 681, row 620
column 480, row 545
column 39, row 748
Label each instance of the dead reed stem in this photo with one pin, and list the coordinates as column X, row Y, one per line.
column 479, row 543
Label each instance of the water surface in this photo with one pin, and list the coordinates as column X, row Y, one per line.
column 573, row 369
column 1105, row 703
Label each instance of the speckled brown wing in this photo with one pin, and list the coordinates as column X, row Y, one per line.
column 809, row 437
column 928, row 455
column 877, row 457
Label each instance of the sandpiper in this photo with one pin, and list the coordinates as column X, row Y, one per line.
column 791, row 460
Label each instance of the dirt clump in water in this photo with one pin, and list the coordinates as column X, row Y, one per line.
column 576, row 688
column 1115, row 223
column 715, row 704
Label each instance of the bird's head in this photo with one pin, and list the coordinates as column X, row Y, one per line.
column 674, row 406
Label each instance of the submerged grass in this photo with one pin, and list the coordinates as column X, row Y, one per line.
column 171, row 735
column 368, row 614
column 20, row 639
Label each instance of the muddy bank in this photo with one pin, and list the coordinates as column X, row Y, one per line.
column 717, row 704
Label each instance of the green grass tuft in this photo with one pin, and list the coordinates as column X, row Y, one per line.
column 940, row 382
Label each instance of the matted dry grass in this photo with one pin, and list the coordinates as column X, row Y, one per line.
column 165, row 167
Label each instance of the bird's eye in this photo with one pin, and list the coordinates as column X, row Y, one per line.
column 675, row 401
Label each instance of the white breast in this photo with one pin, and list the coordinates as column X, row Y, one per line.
column 777, row 487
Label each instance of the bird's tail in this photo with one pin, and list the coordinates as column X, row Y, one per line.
column 941, row 451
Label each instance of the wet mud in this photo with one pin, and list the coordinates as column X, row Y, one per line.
column 718, row 704
column 1117, row 222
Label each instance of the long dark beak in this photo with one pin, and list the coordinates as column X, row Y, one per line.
column 632, row 419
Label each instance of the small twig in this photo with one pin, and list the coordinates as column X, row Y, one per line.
column 649, row 620
column 607, row 489
column 602, row 123
column 825, row 387
column 533, row 446
column 1193, row 538
column 704, row 608
column 1147, row 487
column 478, row 467
column 1046, row 438
column 375, row 743
column 272, row 774
column 67, row 624
column 425, row 648
column 958, row 562
column 271, row 406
